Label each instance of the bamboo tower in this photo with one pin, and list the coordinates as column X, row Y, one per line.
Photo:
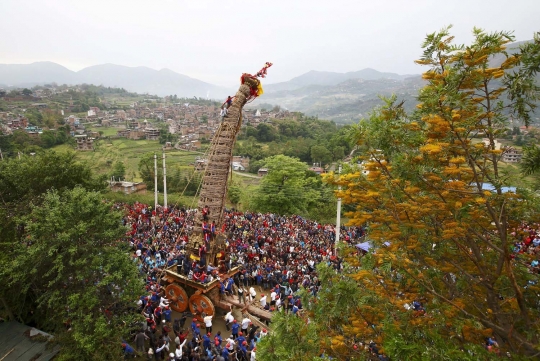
column 214, row 183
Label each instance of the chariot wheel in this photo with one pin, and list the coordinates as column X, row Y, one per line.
column 177, row 296
column 199, row 304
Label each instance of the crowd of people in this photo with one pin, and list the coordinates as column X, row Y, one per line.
column 275, row 254
column 527, row 242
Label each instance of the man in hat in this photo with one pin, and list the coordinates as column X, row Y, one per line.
column 129, row 352
column 206, row 341
column 240, row 338
column 252, row 331
column 167, row 313
column 197, row 331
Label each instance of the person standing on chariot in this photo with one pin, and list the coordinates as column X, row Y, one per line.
column 205, row 213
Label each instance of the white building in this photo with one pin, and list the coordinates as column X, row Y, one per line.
column 238, row 167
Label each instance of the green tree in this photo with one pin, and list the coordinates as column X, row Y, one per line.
column 119, row 170
column 234, row 193
column 146, row 171
column 51, row 118
column 321, row 154
column 266, row 133
column 21, row 139
column 23, row 182
column 530, row 162
column 438, row 236
column 48, row 138
column 292, row 338
column 284, row 189
column 251, row 131
column 71, row 269
column 34, row 116
column 26, row 92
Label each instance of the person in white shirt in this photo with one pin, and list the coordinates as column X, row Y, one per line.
column 207, row 322
column 263, row 301
column 273, row 298
column 245, row 324
column 164, row 302
column 278, row 304
column 252, row 294
column 253, row 354
column 229, row 318
column 178, row 351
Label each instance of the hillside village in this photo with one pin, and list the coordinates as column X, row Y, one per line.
column 176, row 123
column 145, row 118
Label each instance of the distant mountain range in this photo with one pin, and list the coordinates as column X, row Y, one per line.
column 342, row 97
column 136, row 79
column 326, row 78
column 337, row 96
column 346, row 97
column 345, row 101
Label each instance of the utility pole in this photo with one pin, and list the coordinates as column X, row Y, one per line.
column 338, row 215
column 155, row 182
column 164, row 182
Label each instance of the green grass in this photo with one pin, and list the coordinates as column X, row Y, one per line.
column 129, row 152
column 514, row 176
column 106, row 131
column 148, row 198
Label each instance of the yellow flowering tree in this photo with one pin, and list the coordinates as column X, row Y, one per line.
column 442, row 223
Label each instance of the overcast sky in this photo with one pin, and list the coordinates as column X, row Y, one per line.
column 216, row 40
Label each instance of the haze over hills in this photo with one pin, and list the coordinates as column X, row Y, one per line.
column 331, row 95
column 327, row 78
column 346, row 101
column 136, row 79
column 342, row 97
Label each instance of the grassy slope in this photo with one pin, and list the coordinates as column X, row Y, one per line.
column 129, row 152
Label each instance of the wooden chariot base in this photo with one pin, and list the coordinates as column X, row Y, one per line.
column 200, row 298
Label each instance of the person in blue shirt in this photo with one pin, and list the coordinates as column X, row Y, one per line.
column 197, row 331
column 243, row 350
column 217, row 341
column 228, row 287
column 221, row 290
column 128, row 350
column 235, row 326
column 206, row 341
column 225, row 354
column 167, row 314
column 155, row 298
column 240, row 338
column 193, row 323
